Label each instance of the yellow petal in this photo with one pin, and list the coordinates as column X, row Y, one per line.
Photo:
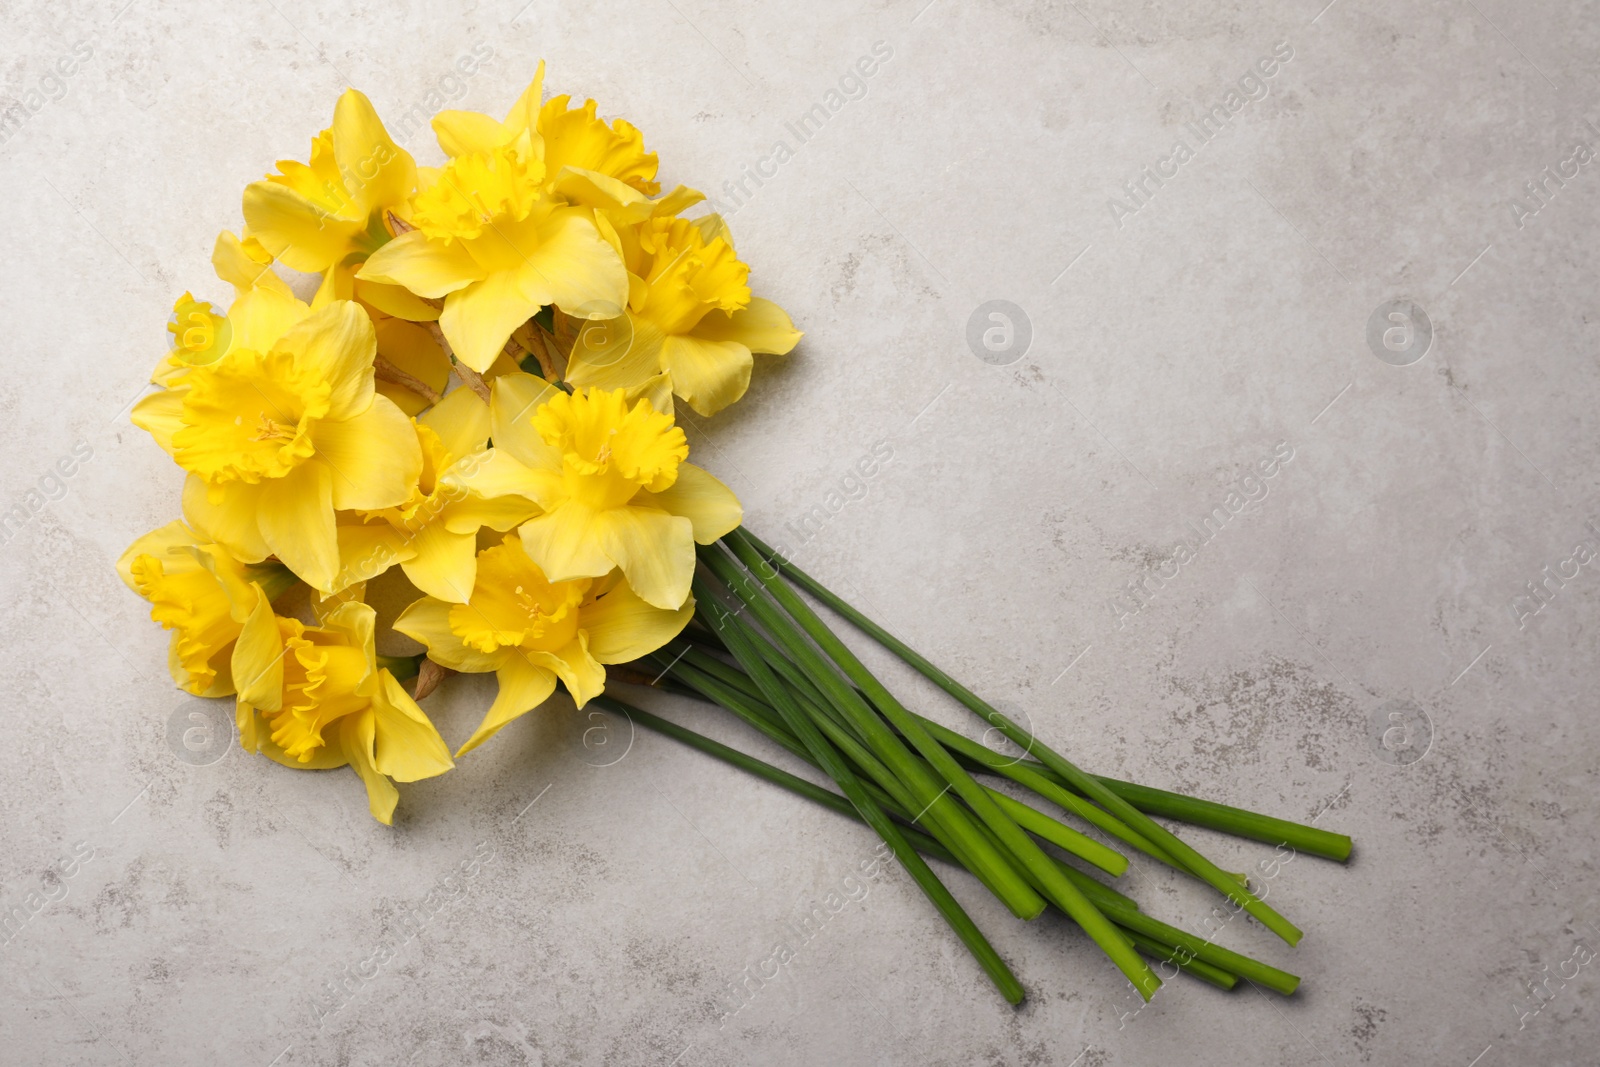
column 337, row 345
column 374, row 457
column 713, row 226
column 338, row 283
column 584, row 678
column 654, row 549
column 245, row 265
column 593, row 189
column 414, row 350
column 324, row 758
column 366, row 551
column 428, row 621
column 479, row 319
column 427, row 268
column 226, row 515
column 461, row 133
column 513, row 401
column 357, row 623
column 301, row 234
column 622, row 626
column 564, row 546
column 461, row 420
column 160, row 415
column 698, row 496
column 493, row 476
column 395, row 300
column 408, row 748
column 761, row 327
column 445, row 564
column 471, row 512
column 710, row 375
column 574, row 267
column 260, row 317
column 657, row 390
column 523, row 687
column 681, row 199
column 296, row 520
column 378, row 173
column 524, row 114
column 615, row 354
column 357, row 741
column 258, row 659
column 155, row 543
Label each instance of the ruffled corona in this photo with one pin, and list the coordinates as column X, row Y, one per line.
column 275, row 441
column 690, row 316
column 612, row 482
column 433, row 535
column 532, row 631
column 497, row 248
column 203, row 596
column 314, row 215
column 315, row 698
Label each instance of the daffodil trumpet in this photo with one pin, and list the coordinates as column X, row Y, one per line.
column 471, row 416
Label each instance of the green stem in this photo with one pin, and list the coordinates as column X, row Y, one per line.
column 1057, row 833
column 1021, row 847
column 1236, row 821
column 930, row 801
column 402, row 667
column 1086, row 784
column 1120, row 908
column 893, row 799
column 1183, row 961
column 826, row 755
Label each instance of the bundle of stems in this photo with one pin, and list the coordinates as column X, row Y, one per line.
column 760, row 651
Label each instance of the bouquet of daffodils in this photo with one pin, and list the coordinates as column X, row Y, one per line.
column 482, row 393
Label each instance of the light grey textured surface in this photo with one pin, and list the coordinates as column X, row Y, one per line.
column 1175, row 342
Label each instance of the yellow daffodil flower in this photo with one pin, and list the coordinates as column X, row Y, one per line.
column 262, row 300
column 433, row 534
column 611, row 482
column 276, row 438
column 494, row 239
column 568, row 139
column 203, row 596
column 327, row 216
column 314, row 215
column 531, row 631
column 690, row 316
column 315, row 698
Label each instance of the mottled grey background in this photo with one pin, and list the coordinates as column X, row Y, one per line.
column 1176, row 340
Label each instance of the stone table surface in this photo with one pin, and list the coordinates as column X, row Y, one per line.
column 1305, row 288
